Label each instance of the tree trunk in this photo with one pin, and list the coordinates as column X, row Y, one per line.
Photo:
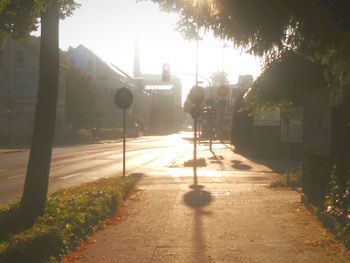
column 36, row 183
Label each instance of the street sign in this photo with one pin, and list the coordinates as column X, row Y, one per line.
column 123, row 98
column 196, row 95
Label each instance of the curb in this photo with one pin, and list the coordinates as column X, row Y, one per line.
column 10, row 151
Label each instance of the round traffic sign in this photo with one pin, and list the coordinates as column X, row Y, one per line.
column 123, row 98
column 196, row 95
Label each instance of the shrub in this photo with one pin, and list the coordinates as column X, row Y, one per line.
column 71, row 216
column 109, row 134
column 337, row 202
column 84, row 135
column 288, row 179
column 316, row 176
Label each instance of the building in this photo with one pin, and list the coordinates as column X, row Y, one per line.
column 107, row 79
column 165, row 98
column 19, row 78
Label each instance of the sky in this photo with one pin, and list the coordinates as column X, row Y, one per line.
column 109, row 28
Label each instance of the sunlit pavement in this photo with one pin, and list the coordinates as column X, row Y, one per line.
column 230, row 216
column 73, row 165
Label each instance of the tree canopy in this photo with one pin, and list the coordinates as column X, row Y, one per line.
column 19, row 18
column 284, row 81
column 219, row 78
column 22, row 16
column 316, row 29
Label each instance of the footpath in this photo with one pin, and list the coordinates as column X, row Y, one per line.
column 230, row 216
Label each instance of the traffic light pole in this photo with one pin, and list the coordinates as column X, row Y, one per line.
column 210, row 130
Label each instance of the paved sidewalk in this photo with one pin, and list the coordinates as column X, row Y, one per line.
column 234, row 217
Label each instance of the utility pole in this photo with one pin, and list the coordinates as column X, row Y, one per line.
column 222, row 64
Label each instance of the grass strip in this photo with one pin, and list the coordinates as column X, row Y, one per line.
column 71, row 216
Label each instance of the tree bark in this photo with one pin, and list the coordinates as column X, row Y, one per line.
column 36, row 182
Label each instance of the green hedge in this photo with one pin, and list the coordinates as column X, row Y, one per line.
column 71, row 216
column 316, row 176
column 109, row 134
column 327, row 186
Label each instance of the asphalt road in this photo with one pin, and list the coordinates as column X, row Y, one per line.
column 82, row 163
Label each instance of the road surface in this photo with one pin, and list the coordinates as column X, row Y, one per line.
column 82, row 163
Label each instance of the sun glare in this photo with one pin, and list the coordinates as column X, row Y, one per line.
column 112, row 37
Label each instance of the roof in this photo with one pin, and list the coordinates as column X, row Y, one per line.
column 111, row 67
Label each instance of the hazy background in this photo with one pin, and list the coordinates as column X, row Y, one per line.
column 109, row 28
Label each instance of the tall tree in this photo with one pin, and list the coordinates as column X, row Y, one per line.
column 317, row 29
column 36, row 182
column 20, row 17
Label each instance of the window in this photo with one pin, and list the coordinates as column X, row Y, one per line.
column 19, row 57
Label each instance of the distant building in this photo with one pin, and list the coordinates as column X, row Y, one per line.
column 107, row 79
column 166, row 112
column 19, row 78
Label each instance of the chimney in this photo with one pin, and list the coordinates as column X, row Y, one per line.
column 137, row 72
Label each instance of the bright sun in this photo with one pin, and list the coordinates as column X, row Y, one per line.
column 112, row 36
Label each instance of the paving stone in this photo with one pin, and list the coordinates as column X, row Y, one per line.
column 245, row 221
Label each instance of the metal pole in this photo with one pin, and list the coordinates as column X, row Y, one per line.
column 210, row 130
column 197, row 55
column 195, row 150
column 124, row 135
column 222, row 66
column 211, row 106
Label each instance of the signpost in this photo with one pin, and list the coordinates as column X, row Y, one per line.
column 123, row 99
column 196, row 97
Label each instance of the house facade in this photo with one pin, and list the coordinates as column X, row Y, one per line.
column 19, row 78
column 107, row 79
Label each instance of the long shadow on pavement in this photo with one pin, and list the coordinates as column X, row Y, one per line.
column 276, row 164
column 197, row 199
